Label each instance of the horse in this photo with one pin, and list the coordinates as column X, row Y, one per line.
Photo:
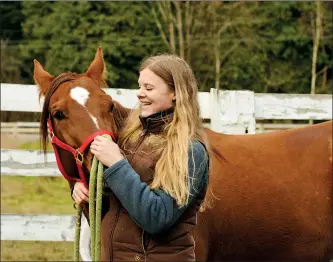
column 272, row 196
column 269, row 195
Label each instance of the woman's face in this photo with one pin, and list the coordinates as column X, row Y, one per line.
column 154, row 94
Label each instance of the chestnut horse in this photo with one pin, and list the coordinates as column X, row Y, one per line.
column 269, row 195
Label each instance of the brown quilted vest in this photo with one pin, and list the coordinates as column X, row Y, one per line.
column 122, row 238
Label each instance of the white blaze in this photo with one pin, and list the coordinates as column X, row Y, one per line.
column 81, row 95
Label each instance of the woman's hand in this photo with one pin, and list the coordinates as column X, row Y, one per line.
column 80, row 193
column 106, row 151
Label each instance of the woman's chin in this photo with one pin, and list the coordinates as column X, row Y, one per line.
column 145, row 113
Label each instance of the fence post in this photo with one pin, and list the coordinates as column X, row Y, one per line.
column 232, row 112
column 15, row 130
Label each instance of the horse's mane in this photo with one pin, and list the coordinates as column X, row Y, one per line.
column 120, row 115
column 62, row 78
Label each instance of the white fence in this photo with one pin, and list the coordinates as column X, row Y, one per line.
column 16, row 129
column 233, row 112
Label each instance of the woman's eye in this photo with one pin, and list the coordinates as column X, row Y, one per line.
column 59, row 115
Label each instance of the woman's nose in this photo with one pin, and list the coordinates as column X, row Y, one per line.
column 140, row 93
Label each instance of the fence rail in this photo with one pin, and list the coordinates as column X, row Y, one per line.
column 233, row 112
column 32, row 128
column 37, row 227
column 28, row 163
column 18, row 128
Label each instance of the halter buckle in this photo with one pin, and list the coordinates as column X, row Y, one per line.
column 51, row 135
column 79, row 157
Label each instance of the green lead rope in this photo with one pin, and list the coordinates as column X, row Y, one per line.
column 77, row 234
column 95, row 212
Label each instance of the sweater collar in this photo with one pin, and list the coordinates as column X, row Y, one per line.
column 155, row 123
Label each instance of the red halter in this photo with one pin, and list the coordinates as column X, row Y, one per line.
column 77, row 153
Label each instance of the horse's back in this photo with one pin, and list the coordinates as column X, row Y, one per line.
column 271, row 196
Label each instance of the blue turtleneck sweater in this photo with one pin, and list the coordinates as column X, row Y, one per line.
column 155, row 210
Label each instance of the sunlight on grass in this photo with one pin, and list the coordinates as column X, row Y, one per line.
column 34, row 145
column 36, row 195
column 36, row 251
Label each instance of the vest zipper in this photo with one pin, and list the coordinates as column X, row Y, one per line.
column 142, row 136
column 143, row 244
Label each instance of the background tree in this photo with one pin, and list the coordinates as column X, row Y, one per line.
column 10, row 21
column 259, row 46
column 64, row 37
column 317, row 24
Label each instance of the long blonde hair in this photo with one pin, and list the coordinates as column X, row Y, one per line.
column 171, row 171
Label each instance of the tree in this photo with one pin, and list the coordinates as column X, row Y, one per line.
column 177, row 23
column 64, row 37
column 316, row 40
column 10, row 21
column 10, row 64
column 260, row 46
column 316, row 25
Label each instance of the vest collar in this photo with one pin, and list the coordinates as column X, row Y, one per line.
column 155, row 123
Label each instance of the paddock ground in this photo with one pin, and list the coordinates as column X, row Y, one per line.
column 34, row 195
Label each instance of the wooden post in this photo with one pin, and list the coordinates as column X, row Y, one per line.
column 232, row 112
column 261, row 128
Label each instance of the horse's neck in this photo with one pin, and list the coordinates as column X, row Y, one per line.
column 121, row 113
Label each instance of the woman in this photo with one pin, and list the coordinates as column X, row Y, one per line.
column 160, row 180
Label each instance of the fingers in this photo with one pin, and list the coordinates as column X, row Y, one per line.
column 100, row 145
column 82, row 187
column 95, row 150
column 94, row 147
column 80, row 193
column 106, row 151
column 101, row 141
column 99, row 138
column 78, row 200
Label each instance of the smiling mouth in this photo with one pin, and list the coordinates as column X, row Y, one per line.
column 145, row 104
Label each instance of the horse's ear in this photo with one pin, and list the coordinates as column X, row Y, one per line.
column 97, row 70
column 42, row 78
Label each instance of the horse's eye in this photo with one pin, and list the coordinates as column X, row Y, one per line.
column 59, row 115
column 111, row 107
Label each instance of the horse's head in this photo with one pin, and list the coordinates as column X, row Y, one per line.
column 75, row 110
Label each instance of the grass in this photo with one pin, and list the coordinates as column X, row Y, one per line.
column 34, row 145
column 36, row 251
column 36, row 195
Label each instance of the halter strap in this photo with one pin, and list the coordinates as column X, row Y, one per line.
column 78, row 153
